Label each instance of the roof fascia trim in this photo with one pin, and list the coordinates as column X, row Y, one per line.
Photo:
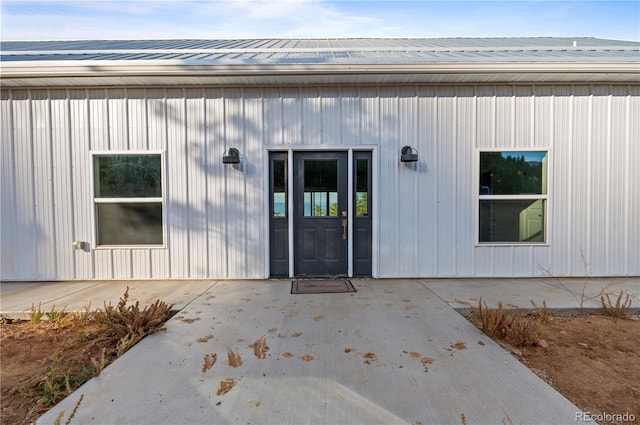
column 124, row 68
column 331, row 74
column 385, row 49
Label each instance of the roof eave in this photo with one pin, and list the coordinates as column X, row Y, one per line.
column 127, row 73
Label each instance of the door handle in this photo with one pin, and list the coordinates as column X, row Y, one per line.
column 345, row 224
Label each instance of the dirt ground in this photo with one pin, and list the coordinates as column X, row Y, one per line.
column 37, row 362
column 594, row 361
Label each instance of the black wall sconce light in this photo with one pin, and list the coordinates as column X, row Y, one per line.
column 231, row 156
column 408, row 154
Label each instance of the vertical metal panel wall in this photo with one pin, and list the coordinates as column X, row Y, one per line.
column 426, row 212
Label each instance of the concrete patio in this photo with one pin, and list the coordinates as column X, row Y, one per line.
column 393, row 352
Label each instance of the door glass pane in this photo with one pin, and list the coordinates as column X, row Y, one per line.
column 513, row 173
column 319, row 203
column 333, row 204
column 362, row 187
column 279, row 188
column 512, row 221
column 321, row 188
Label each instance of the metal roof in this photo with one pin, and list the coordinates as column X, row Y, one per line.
column 318, row 61
column 356, row 50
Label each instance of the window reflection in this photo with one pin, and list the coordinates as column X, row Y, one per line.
column 127, row 176
column 511, row 173
column 362, row 187
column 512, row 221
column 320, row 188
column 279, row 188
column 512, row 195
column 121, row 220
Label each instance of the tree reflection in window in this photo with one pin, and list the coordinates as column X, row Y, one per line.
column 320, row 188
column 513, row 173
column 279, row 188
column 362, row 187
column 513, row 195
column 128, row 199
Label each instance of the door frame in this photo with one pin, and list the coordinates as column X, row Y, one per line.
column 290, row 149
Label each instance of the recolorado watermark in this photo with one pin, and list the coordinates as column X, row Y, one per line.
column 605, row 417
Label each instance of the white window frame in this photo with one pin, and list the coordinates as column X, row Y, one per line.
column 150, row 200
column 545, row 197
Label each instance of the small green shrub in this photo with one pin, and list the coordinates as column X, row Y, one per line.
column 54, row 315
column 36, row 315
column 59, row 383
column 55, row 384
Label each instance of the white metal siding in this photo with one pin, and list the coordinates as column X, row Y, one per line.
column 426, row 212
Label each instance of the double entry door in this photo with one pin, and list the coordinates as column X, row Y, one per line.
column 313, row 234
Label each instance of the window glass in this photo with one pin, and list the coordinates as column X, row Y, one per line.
column 362, row 187
column 512, row 220
column 127, row 176
column 120, row 219
column 129, row 223
column 279, row 188
column 513, row 194
column 510, row 173
column 320, row 188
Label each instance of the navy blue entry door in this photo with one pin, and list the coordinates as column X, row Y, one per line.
column 320, row 213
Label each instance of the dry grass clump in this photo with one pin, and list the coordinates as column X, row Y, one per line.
column 129, row 324
column 541, row 311
column 71, row 348
column 491, row 321
column 53, row 316
column 618, row 309
column 122, row 326
column 514, row 328
column 522, row 331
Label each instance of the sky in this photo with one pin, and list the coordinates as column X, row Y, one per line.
column 167, row 19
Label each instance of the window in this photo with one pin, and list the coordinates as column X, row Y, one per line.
column 512, row 196
column 279, row 190
column 320, row 188
column 128, row 199
column 362, row 187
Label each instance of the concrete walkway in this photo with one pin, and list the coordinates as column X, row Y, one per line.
column 394, row 352
column 562, row 294
column 18, row 298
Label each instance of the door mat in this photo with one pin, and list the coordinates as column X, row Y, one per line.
column 325, row 286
